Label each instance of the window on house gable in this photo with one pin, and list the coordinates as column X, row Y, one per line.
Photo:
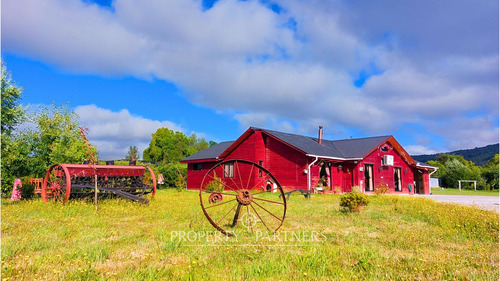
column 229, row 170
column 197, row 166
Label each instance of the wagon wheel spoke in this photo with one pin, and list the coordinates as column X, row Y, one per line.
column 211, row 206
column 248, row 218
column 223, row 217
column 257, row 213
column 232, row 180
column 249, row 176
column 219, row 181
column 55, row 186
column 270, row 201
column 223, row 193
column 263, row 179
column 223, row 212
column 267, row 211
column 239, row 173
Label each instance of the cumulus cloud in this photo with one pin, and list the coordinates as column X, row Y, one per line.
column 419, row 150
column 114, row 132
column 423, row 62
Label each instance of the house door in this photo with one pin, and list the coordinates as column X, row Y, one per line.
column 347, row 180
column 419, row 182
column 369, row 183
column 324, row 174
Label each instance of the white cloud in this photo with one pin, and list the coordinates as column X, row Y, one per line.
column 419, row 150
column 114, row 132
column 432, row 60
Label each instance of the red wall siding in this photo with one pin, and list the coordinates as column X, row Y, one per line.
column 385, row 174
column 194, row 178
column 285, row 163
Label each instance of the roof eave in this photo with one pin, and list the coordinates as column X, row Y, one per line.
column 334, row 158
column 200, row 160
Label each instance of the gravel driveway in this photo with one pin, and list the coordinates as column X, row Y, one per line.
column 482, row 202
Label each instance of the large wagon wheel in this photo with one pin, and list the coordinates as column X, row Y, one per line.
column 56, row 185
column 240, row 193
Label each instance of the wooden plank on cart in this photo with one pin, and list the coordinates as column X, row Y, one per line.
column 125, row 195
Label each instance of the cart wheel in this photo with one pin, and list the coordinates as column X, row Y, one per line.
column 56, row 185
column 234, row 195
column 149, row 180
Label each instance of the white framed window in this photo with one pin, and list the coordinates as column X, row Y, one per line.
column 229, row 170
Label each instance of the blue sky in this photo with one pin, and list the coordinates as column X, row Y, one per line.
column 424, row 72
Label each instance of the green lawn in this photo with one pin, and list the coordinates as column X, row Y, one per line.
column 456, row 191
column 393, row 238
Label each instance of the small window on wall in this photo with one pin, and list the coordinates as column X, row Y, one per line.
column 368, row 177
column 260, row 171
column 229, row 170
column 397, row 179
column 197, row 166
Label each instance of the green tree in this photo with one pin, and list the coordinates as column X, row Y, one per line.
column 490, row 173
column 133, row 153
column 51, row 137
column 172, row 173
column 196, row 144
column 167, row 146
column 454, row 167
column 56, row 138
column 441, row 168
column 12, row 112
column 13, row 151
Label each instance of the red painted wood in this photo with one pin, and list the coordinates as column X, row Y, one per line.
column 77, row 170
column 288, row 165
column 385, row 174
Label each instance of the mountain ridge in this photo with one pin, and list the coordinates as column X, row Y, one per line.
column 478, row 155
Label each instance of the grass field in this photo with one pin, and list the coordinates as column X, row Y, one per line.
column 393, row 238
column 455, row 191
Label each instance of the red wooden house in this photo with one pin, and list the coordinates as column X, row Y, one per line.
column 300, row 162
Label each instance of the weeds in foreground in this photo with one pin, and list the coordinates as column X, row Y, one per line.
column 395, row 237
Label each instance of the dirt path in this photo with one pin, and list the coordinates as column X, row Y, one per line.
column 482, row 202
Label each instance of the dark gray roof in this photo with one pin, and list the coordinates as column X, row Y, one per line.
column 343, row 149
column 210, row 153
column 357, row 148
column 307, row 144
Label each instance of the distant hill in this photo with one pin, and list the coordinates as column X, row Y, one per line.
column 478, row 155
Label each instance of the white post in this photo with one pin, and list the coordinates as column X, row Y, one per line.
column 475, row 186
column 460, row 185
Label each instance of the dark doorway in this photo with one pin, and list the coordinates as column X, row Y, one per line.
column 397, row 179
column 418, row 178
column 369, row 177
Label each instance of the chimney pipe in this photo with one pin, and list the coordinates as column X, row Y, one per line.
column 320, row 134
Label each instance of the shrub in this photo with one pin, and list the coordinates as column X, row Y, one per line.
column 180, row 183
column 27, row 191
column 381, row 189
column 215, row 184
column 353, row 201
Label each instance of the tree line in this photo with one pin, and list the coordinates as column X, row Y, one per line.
column 452, row 168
